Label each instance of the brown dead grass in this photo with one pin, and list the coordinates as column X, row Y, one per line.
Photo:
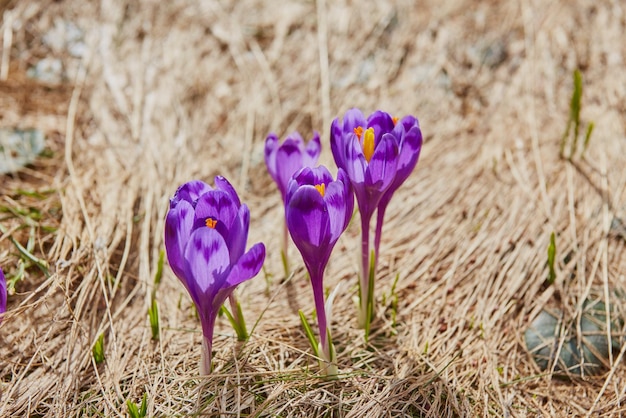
column 172, row 91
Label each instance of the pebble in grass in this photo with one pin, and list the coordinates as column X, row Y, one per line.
column 586, row 353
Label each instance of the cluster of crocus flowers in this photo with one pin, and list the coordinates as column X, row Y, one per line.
column 3, row 295
column 283, row 161
column 378, row 154
column 206, row 228
column 318, row 210
column 206, row 232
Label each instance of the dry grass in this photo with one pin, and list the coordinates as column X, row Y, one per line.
column 171, row 91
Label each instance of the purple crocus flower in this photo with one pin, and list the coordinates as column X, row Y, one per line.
column 206, row 230
column 378, row 154
column 284, row 160
column 3, row 295
column 318, row 209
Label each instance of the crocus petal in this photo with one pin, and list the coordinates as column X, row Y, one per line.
column 355, row 163
column 248, row 266
column 336, row 205
column 296, row 137
column 219, row 206
column 3, row 295
column 207, row 261
column 238, row 234
column 409, row 121
column 312, row 150
column 353, row 119
column 178, row 226
column 313, row 176
column 382, row 167
column 271, row 146
column 307, row 218
column 190, row 192
column 381, row 122
column 409, row 153
column 222, row 184
column 309, row 226
column 289, row 160
column 407, row 160
column 337, row 143
column 348, row 193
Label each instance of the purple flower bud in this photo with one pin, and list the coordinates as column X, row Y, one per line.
column 318, row 210
column 283, row 161
column 206, row 230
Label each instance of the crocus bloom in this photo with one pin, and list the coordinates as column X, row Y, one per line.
column 3, row 295
column 283, row 161
column 206, row 230
column 318, row 209
column 377, row 154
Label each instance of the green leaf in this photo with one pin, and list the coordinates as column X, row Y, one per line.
column 98, row 350
column 140, row 412
column 285, row 261
column 394, row 301
column 574, row 115
column 132, row 409
column 28, row 255
column 144, row 405
column 159, row 272
column 240, row 329
column 588, row 136
column 153, row 314
column 551, row 257
column 309, row 333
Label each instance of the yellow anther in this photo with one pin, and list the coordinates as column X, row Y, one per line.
column 210, row 222
column 368, row 144
column 395, row 120
column 321, row 188
column 358, row 131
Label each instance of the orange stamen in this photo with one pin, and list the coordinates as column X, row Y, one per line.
column 358, row 131
column 321, row 188
column 395, row 121
column 210, row 222
column 368, row 144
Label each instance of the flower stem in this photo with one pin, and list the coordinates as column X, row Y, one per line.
column 205, row 358
column 284, row 255
column 365, row 273
column 318, row 295
column 380, row 217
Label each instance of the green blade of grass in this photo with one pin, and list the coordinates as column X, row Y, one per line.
column 153, row 314
column 309, row 333
column 98, row 350
column 133, row 412
column 588, row 136
column 144, row 405
column 159, row 271
column 551, row 257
